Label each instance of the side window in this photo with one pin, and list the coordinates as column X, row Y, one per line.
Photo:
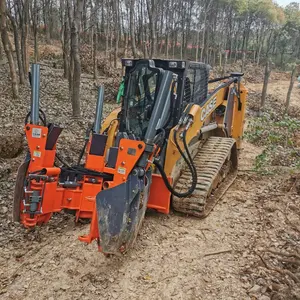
column 201, row 84
column 188, row 95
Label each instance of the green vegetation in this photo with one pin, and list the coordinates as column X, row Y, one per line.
column 280, row 138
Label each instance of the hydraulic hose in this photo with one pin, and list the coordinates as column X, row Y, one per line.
column 190, row 164
column 87, row 138
column 42, row 116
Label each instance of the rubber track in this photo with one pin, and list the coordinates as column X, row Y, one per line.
column 216, row 169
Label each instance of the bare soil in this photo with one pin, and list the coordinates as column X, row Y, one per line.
column 278, row 89
column 224, row 256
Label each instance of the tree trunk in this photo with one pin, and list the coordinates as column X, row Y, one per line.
column 7, row 48
column 95, row 38
column 107, row 40
column 1, row 48
column 243, row 61
column 47, row 19
column 197, row 40
column 35, row 31
column 95, row 60
column 152, row 20
column 225, row 63
column 66, row 46
column 265, row 85
column 17, row 47
column 75, row 57
column 132, row 35
column 116, row 18
column 288, row 96
column 24, row 38
column 204, row 31
column 64, row 37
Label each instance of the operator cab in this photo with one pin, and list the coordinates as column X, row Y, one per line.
column 142, row 82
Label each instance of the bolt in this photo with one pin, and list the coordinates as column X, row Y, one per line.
column 33, row 159
column 121, row 148
column 123, row 163
column 124, row 178
column 38, row 147
column 69, row 199
column 140, row 146
column 27, row 128
column 44, row 135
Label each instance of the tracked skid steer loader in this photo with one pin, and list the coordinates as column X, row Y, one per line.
column 173, row 141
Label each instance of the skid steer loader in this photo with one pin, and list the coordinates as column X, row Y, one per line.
column 172, row 140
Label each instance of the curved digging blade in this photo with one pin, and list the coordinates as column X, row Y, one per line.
column 120, row 213
column 19, row 190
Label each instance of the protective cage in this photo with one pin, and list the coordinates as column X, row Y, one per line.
column 192, row 81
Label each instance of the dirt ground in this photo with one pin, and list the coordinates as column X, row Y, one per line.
column 279, row 90
column 175, row 256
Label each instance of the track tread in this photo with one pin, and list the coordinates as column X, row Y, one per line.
column 211, row 161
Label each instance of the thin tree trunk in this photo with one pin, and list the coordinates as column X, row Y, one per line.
column 35, row 32
column 1, row 48
column 152, row 21
column 265, row 85
column 107, row 40
column 17, row 47
column 225, row 63
column 24, row 44
column 197, row 42
column 203, row 35
column 7, row 48
column 126, row 36
column 66, row 46
column 47, row 19
column 259, row 50
column 95, row 60
column 288, row 96
column 132, row 35
column 95, row 38
column 243, row 61
column 116, row 29
column 65, row 37
column 75, row 57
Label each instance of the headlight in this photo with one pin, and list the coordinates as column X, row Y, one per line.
column 172, row 64
column 128, row 63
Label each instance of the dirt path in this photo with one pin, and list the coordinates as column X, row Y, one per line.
column 173, row 257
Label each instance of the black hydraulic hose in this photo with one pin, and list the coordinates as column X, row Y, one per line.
column 82, row 151
column 61, row 160
column 87, row 138
column 188, row 153
column 190, row 164
column 42, row 116
column 160, row 137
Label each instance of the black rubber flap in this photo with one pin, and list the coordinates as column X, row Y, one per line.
column 19, row 189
